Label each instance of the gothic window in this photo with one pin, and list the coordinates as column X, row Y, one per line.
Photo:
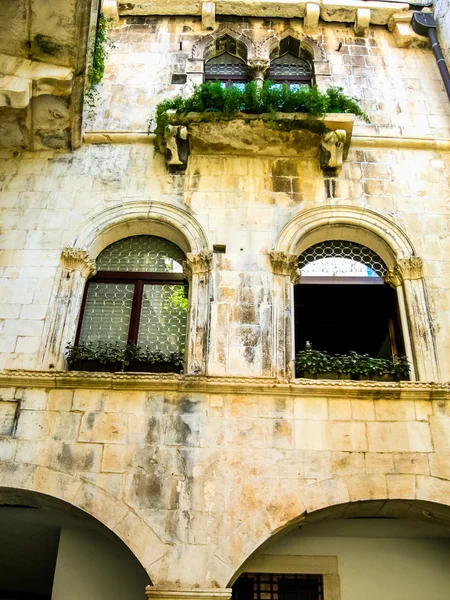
column 138, row 296
column 226, row 68
column 343, row 304
column 290, row 69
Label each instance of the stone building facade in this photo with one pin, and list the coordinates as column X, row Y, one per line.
column 235, row 465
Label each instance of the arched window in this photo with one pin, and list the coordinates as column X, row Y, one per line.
column 137, row 297
column 226, row 68
column 290, row 69
column 343, row 304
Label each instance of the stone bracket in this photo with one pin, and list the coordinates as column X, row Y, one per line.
column 400, row 25
column 332, row 149
column 362, row 22
column 110, row 10
column 208, row 15
column 177, row 146
column 312, row 15
column 20, row 79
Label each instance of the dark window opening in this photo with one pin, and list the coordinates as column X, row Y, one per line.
column 273, row 586
column 226, row 68
column 344, row 317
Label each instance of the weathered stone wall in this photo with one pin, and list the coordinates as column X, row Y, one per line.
column 195, row 481
column 400, row 88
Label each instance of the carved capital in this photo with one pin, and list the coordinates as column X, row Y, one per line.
column 258, row 67
column 196, row 264
column 74, row 259
column 410, row 268
column 392, row 277
column 285, row 264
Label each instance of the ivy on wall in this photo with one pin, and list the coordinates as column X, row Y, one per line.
column 96, row 71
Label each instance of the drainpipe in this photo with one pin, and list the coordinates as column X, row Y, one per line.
column 424, row 24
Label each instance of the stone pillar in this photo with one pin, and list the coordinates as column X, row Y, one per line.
column 407, row 277
column 156, row 593
column 64, row 307
column 286, row 273
column 197, row 268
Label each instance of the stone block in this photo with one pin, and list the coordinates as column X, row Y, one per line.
column 440, row 426
column 401, row 486
column 379, row 463
column 366, row 487
column 347, row 463
column 346, row 436
column 414, row 463
column 311, row 435
column 394, row 410
column 89, row 400
column 8, row 411
column 117, row 458
column 311, row 409
column 101, row 427
column 340, row 410
column 387, row 437
column 363, row 410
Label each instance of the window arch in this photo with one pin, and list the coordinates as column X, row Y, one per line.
column 138, row 296
column 226, row 68
column 291, row 70
column 343, row 304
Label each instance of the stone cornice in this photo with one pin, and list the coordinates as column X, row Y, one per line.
column 285, row 264
column 362, row 390
column 75, row 259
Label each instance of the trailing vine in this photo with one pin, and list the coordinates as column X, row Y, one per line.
column 97, row 69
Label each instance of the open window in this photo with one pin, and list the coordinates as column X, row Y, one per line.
column 343, row 304
column 226, row 68
column 134, row 309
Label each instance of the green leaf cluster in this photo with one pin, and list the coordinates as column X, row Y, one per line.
column 99, row 53
column 317, row 361
column 116, row 352
column 256, row 99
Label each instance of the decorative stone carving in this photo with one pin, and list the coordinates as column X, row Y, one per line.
column 410, row 268
column 405, row 269
column 208, row 15
column 312, row 16
column 20, row 79
column 362, row 22
column 196, row 264
column 175, row 137
column 258, row 68
column 285, row 264
column 75, row 259
column 332, row 149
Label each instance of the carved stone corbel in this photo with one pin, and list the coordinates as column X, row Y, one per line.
column 362, row 22
column 332, row 149
column 285, row 264
column 177, row 148
column 208, row 15
column 258, row 68
column 75, row 259
column 197, row 263
column 312, row 16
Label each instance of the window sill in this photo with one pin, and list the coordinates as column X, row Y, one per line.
column 290, row 135
column 93, row 366
column 334, row 375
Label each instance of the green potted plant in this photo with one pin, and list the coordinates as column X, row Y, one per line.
column 95, row 356
column 145, row 360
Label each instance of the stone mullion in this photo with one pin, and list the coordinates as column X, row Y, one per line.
column 406, row 330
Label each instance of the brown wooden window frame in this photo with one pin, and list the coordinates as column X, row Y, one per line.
column 136, row 278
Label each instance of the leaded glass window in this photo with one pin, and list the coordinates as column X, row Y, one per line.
column 227, row 69
column 291, row 70
column 137, row 296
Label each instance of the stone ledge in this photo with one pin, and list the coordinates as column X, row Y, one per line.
column 372, row 390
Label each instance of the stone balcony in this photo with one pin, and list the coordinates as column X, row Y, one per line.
column 289, row 135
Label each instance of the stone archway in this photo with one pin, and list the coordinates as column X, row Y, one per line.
column 28, row 484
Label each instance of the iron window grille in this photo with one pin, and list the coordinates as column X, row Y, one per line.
column 137, row 296
column 291, row 70
column 227, row 69
column 276, row 586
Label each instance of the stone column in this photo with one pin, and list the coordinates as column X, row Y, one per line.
column 286, row 273
column 63, row 312
column 407, row 278
column 197, row 268
column 156, row 593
